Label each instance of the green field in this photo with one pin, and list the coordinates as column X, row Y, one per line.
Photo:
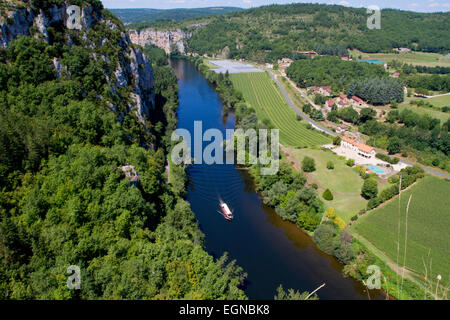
column 428, row 227
column 439, row 102
column 343, row 181
column 414, row 58
column 443, row 116
column 261, row 93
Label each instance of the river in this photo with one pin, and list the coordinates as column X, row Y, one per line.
column 271, row 251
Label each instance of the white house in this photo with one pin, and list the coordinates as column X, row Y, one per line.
column 363, row 150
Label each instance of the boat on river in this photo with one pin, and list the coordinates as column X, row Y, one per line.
column 226, row 211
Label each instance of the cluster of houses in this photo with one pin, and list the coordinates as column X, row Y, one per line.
column 324, row 90
column 343, row 101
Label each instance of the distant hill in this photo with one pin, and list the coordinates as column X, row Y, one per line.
column 270, row 32
column 129, row 16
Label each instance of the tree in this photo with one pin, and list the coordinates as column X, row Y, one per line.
column 392, row 116
column 327, row 195
column 369, row 189
column 308, row 164
column 344, row 253
column 324, row 237
column 367, row 114
column 307, row 108
column 320, row 99
column 394, row 145
column 293, row 295
column 317, row 115
column 337, row 140
column 330, row 165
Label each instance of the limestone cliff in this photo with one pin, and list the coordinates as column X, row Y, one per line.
column 162, row 39
column 128, row 69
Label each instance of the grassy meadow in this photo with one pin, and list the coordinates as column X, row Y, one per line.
column 262, row 94
column 343, row 181
column 443, row 116
column 414, row 58
column 428, row 237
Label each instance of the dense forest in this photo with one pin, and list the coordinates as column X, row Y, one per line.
column 65, row 197
column 377, row 91
column 433, row 82
column 143, row 16
column 331, row 71
column 271, row 32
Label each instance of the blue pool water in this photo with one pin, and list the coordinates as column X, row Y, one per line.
column 376, row 169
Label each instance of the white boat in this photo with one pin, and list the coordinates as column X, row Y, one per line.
column 226, row 211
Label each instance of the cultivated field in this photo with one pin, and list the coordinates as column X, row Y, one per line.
column 443, row 116
column 414, row 58
column 343, row 181
column 262, row 94
column 428, row 237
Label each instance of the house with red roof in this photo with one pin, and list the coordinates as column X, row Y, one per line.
column 343, row 100
column 362, row 149
column 358, row 101
column 324, row 90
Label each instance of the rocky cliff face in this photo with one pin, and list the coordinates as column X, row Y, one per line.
column 133, row 69
column 162, row 39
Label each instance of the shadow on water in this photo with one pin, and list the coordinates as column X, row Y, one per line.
column 270, row 250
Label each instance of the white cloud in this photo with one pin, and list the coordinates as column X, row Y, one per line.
column 344, row 3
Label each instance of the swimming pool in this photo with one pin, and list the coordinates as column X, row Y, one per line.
column 376, row 169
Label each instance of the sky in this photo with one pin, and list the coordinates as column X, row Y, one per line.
column 413, row 5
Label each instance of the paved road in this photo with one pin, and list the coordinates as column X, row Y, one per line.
column 333, row 134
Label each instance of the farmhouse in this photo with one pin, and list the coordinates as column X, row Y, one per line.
column 341, row 129
column 285, row 62
column 358, row 101
column 330, row 104
column 362, row 149
column 325, row 90
column 343, row 100
column 404, row 50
